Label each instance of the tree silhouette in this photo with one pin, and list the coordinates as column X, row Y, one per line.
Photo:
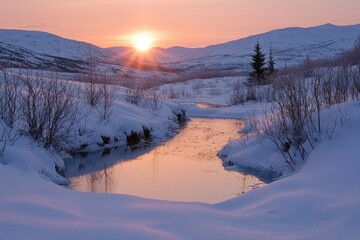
column 271, row 62
column 258, row 65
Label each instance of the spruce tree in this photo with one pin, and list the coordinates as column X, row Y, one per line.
column 257, row 63
column 271, row 62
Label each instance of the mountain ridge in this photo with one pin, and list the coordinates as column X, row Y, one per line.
column 290, row 46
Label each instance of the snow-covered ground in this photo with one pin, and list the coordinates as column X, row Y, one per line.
column 125, row 119
column 319, row 202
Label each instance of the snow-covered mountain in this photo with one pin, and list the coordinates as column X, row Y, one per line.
column 291, row 45
column 49, row 44
column 46, row 51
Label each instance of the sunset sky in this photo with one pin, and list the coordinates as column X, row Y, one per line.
column 191, row 23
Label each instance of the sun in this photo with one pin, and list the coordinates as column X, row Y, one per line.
column 143, row 42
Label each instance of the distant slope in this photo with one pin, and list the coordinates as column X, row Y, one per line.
column 290, row 45
column 49, row 44
column 40, row 50
column 159, row 55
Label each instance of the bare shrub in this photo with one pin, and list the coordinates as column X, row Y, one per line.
column 107, row 103
column 356, row 51
column 286, row 125
column 277, row 131
column 197, row 86
column 299, row 94
column 9, row 107
column 295, row 115
column 62, row 110
column 251, row 93
column 9, row 92
column 214, row 90
column 135, row 95
column 318, row 95
column 154, row 100
column 2, row 143
column 341, row 82
column 265, row 94
column 182, row 90
column 238, row 94
column 92, row 78
column 48, row 109
column 354, row 76
column 33, row 105
column 148, row 98
column 172, row 92
column 352, row 57
column 338, row 84
column 327, row 86
column 93, row 94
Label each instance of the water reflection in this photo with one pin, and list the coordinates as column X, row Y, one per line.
column 185, row 168
column 208, row 105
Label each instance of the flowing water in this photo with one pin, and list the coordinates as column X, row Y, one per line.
column 184, row 168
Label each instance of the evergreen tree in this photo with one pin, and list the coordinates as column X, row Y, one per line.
column 271, row 62
column 258, row 63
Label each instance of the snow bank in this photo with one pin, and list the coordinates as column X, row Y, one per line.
column 319, row 202
column 126, row 119
column 28, row 157
column 258, row 155
column 90, row 133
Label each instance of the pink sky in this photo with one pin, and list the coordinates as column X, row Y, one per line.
column 190, row 23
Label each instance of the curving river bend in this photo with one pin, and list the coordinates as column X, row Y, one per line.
column 184, row 168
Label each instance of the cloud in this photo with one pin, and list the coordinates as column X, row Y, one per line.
column 37, row 25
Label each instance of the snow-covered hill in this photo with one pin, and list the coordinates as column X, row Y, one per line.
column 49, row 44
column 158, row 54
column 290, row 46
column 47, row 51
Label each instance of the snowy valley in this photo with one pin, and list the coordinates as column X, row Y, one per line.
column 300, row 135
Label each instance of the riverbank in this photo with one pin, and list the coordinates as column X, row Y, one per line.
column 321, row 201
column 129, row 125
column 179, row 169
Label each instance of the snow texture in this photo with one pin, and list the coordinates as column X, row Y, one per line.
column 319, row 202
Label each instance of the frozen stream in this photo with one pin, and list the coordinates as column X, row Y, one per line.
column 184, row 168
